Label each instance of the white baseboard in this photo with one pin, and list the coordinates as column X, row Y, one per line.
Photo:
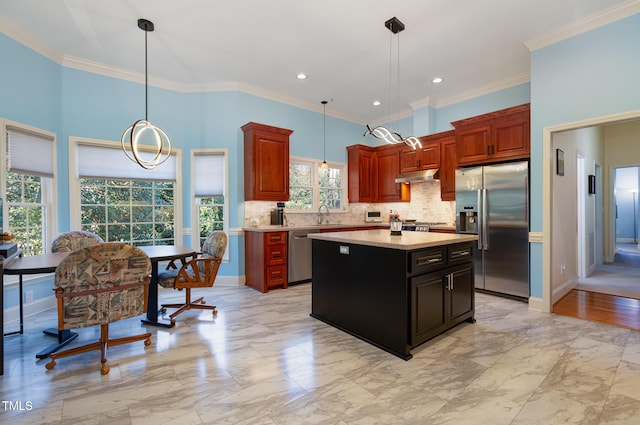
column 12, row 314
column 563, row 289
column 230, row 280
column 537, row 304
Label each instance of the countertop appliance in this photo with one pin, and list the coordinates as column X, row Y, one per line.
column 372, row 216
column 492, row 202
column 299, row 256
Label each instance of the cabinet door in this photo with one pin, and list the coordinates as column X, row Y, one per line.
column 472, row 144
column 409, row 160
column 511, row 136
column 460, row 292
column 266, row 162
column 448, row 170
column 429, row 156
column 427, row 307
column 387, row 167
column 360, row 171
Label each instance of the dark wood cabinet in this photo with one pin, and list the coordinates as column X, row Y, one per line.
column 392, row 298
column 493, row 137
column 442, row 299
column 372, row 173
column 448, row 169
column 265, row 260
column 360, row 172
column 386, row 170
column 266, row 162
column 425, row 158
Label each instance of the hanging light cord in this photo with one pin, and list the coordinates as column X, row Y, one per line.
column 146, row 79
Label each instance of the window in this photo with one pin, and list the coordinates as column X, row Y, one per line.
column 28, row 180
column 310, row 186
column 137, row 212
column 121, row 201
column 210, row 209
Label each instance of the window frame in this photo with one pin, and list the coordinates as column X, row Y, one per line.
column 315, row 184
column 75, row 216
column 48, row 184
column 195, row 217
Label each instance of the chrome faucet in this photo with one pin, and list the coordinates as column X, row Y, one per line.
column 320, row 215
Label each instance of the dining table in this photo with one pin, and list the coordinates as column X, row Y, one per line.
column 47, row 263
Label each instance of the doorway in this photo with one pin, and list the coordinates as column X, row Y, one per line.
column 603, row 209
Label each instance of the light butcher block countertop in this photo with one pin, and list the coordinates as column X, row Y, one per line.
column 382, row 238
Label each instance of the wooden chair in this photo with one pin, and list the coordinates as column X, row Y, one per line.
column 200, row 272
column 75, row 239
column 98, row 285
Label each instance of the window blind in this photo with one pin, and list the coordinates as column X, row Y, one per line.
column 102, row 161
column 30, row 153
column 208, row 174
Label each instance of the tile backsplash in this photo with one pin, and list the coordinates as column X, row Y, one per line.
column 425, row 205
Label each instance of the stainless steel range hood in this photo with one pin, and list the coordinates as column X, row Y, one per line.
column 418, row 176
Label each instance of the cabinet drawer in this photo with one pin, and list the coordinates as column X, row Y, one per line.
column 276, row 276
column 427, row 259
column 275, row 238
column 460, row 253
column 275, row 255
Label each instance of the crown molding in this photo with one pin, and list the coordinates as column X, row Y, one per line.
column 28, row 40
column 425, row 102
column 515, row 80
column 615, row 13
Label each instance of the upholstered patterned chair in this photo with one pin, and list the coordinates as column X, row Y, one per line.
column 97, row 285
column 199, row 272
column 75, row 239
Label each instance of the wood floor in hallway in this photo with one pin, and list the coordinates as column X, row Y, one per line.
column 602, row 308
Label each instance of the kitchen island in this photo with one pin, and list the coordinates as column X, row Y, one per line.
column 395, row 292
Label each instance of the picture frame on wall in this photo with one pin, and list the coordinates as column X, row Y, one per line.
column 560, row 162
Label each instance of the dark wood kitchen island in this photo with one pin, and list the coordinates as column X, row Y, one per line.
column 395, row 292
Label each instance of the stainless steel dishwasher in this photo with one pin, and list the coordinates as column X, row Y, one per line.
column 299, row 260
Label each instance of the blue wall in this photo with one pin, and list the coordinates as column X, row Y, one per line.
column 591, row 75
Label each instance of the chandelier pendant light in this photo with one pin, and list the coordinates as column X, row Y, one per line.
column 393, row 137
column 324, row 165
column 145, row 130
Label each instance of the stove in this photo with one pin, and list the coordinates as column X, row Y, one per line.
column 419, row 226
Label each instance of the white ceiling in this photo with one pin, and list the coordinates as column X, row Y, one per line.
column 259, row 46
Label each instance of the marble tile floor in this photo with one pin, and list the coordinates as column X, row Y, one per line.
column 263, row 360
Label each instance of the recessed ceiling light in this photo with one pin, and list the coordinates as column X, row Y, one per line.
column 376, row 103
column 437, row 80
column 301, row 76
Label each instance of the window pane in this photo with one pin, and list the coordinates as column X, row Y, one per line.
column 26, row 212
column 300, row 198
column 210, row 215
column 299, row 174
column 122, row 210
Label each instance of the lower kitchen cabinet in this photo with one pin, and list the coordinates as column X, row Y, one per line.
column 439, row 301
column 265, row 260
column 394, row 299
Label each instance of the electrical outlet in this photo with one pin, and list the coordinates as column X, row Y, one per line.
column 29, row 297
column 563, row 267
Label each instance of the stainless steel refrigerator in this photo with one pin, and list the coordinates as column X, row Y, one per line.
column 492, row 201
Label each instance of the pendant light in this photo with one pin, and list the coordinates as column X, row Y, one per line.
column 395, row 26
column 134, row 134
column 324, row 165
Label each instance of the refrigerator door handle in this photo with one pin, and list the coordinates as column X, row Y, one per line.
column 479, row 218
column 485, row 219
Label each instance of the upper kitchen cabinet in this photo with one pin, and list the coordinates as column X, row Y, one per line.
column 425, row 158
column 372, row 174
column 448, row 165
column 266, row 162
column 493, row 137
column 386, row 170
column 360, row 170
